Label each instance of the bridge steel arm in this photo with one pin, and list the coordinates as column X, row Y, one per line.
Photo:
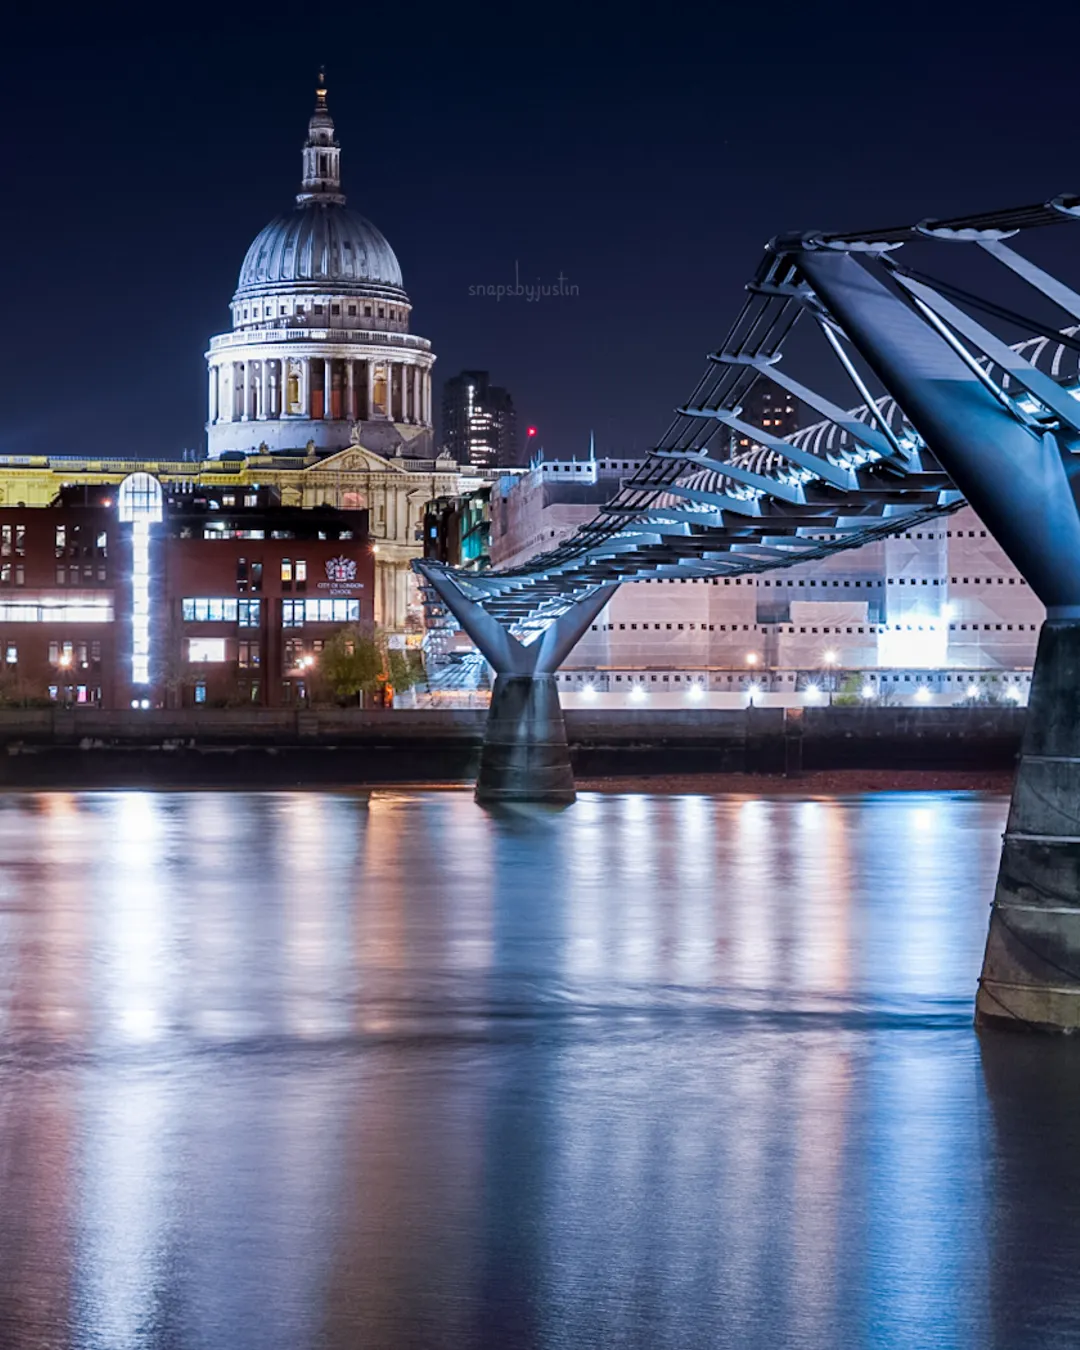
column 1015, row 476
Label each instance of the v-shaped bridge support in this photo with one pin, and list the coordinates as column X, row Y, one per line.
column 525, row 756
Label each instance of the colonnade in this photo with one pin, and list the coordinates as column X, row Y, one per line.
column 315, row 388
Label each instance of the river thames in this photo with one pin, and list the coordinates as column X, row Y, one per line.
column 293, row 1070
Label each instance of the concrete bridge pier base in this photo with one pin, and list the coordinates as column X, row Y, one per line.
column 1031, row 970
column 525, row 757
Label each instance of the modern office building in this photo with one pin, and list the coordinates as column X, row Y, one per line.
column 479, row 424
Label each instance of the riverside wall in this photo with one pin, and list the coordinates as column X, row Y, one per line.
column 251, row 748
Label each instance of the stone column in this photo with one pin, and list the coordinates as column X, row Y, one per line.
column 264, row 402
column 234, row 390
column 408, row 374
column 305, row 387
column 245, row 412
column 212, row 396
column 418, row 384
column 370, row 388
column 350, row 390
column 328, row 389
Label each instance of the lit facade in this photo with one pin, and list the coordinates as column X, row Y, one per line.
column 937, row 614
column 479, row 422
column 393, row 489
column 137, row 598
column 320, row 354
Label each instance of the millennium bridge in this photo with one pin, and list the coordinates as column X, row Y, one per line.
column 967, row 383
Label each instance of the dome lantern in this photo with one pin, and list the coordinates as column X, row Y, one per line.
column 322, row 155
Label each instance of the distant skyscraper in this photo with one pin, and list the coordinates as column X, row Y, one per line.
column 479, row 424
column 771, row 408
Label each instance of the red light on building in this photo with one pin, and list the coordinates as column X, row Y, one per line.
column 531, row 431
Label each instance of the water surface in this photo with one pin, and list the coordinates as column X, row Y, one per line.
column 317, row 1070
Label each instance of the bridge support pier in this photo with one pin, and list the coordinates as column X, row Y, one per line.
column 1031, row 969
column 525, row 757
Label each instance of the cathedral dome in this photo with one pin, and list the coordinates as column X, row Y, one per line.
column 321, row 244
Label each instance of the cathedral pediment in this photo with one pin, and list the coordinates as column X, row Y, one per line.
column 357, row 459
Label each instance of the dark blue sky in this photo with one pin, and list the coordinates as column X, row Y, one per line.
column 647, row 155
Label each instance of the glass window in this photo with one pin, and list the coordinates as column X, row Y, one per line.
column 20, row 538
column 200, row 692
column 61, row 539
column 286, row 572
column 11, row 654
column 251, row 499
column 206, row 649
column 5, row 541
column 256, row 576
column 301, row 570
column 249, row 613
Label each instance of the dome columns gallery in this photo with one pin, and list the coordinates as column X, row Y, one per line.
column 319, row 388
column 320, row 344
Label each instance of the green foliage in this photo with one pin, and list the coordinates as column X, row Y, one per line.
column 849, row 695
column 405, row 668
column 352, row 662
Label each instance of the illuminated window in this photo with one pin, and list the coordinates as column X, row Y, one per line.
column 11, row 654
column 20, row 539
column 286, row 574
column 61, row 539
column 206, row 649
column 212, row 609
column 248, row 613
column 248, row 654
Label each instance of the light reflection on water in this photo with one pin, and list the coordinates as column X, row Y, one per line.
column 321, row 1070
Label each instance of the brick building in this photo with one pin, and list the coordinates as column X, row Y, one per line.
column 189, row 603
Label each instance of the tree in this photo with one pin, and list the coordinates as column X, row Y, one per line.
column 351, row 663
column 358, row 660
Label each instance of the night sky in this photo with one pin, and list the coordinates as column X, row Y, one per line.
column 645, row 154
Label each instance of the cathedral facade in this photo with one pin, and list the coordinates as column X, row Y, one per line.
column 320, row 355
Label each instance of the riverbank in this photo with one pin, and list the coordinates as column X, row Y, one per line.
column 255, row 748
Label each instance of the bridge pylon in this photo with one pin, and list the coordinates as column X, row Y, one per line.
column 525, row 756
column 1014, row 457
